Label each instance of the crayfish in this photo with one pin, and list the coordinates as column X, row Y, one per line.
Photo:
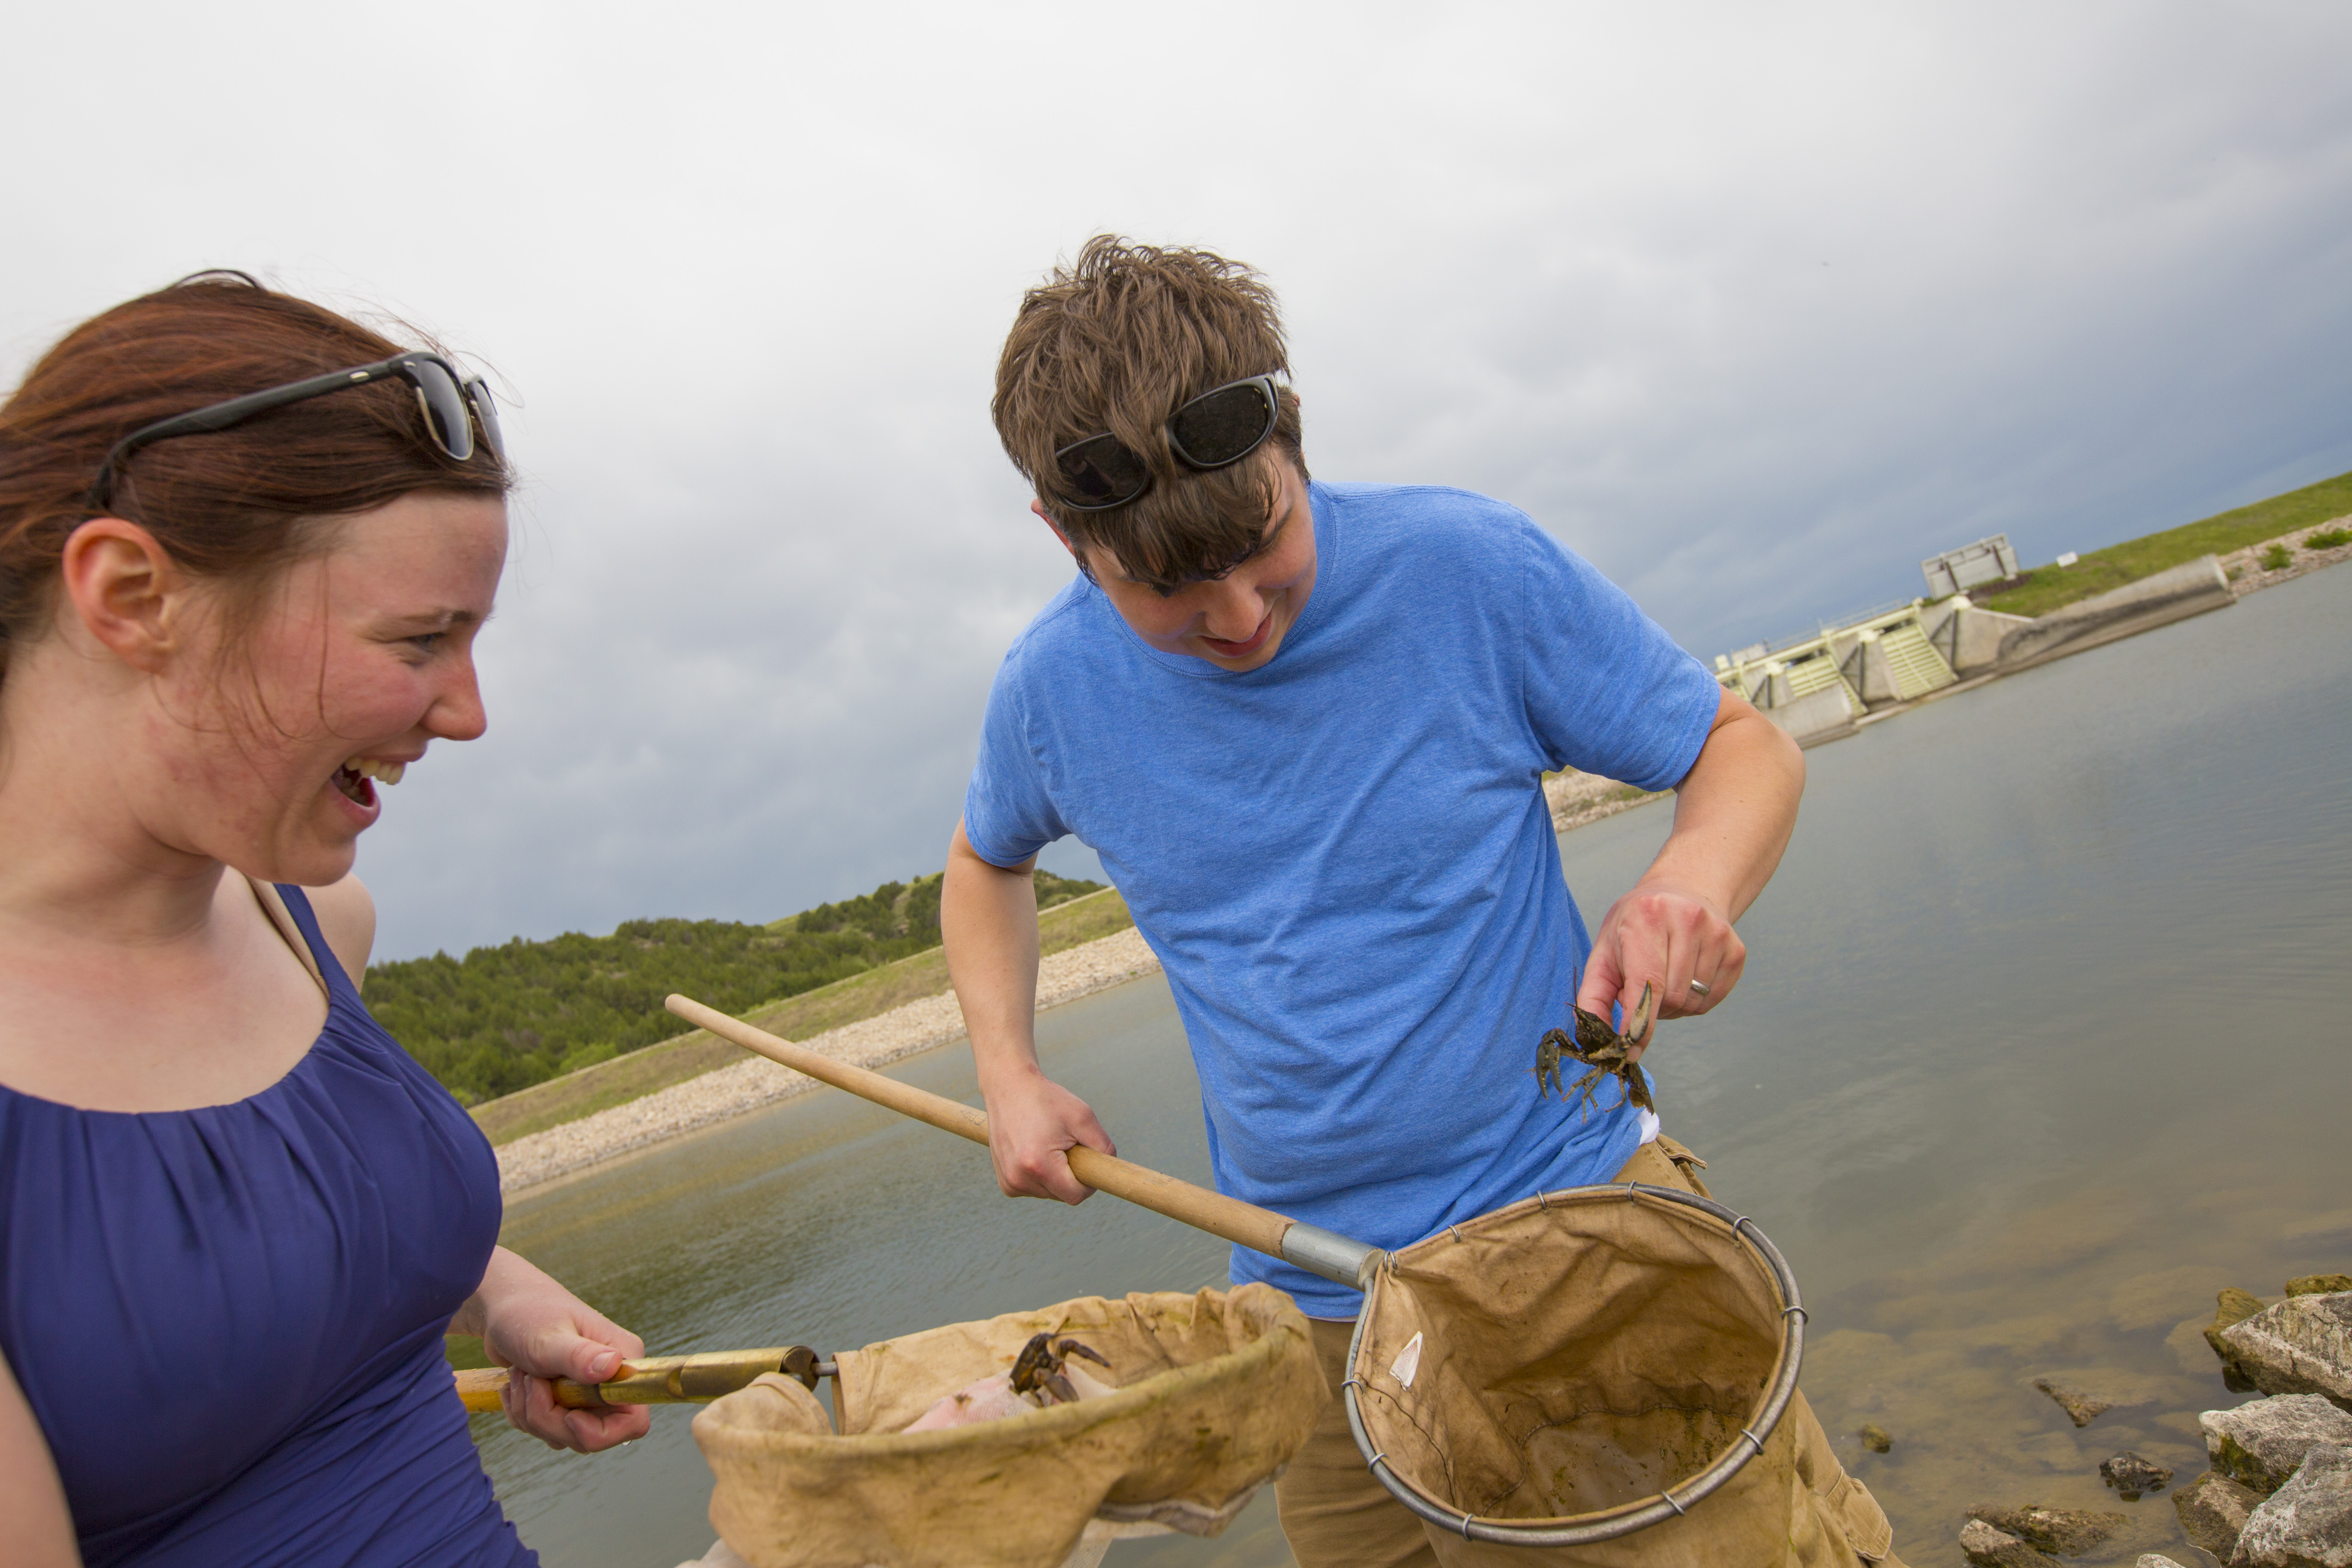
column 1602, row 1050
column 1039, row 1377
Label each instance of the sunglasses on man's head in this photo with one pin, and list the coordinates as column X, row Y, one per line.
column 452, row 408
column 1215, row 430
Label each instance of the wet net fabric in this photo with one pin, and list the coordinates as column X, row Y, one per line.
column 1215, row 1393
column 1566, row 1356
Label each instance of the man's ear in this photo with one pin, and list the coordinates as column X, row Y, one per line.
column 1085, row 567
column 1046, row 518
column 125, row 590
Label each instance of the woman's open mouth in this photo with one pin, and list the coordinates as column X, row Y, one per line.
column 355, row 778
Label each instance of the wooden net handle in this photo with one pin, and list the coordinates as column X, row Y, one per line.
column 1260, row 1230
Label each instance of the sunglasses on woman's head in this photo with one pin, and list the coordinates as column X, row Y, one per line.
column 1215, row 430
column 452, row 408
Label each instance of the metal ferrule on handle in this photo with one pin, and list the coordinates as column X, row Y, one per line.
column 1608, row 1524
column 1332, row 1254
column 1335, row 1257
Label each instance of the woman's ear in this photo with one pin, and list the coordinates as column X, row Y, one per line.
column 125, row 591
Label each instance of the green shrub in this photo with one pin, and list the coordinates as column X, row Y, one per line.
column 2327, row 538
column 2277, row 558
column 503, row 1019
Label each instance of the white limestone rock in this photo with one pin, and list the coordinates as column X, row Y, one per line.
column 2301, row 1345
column 2261, row 1444
column 2308, row 1522
column 1985, row 1547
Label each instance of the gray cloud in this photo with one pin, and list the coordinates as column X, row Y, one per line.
column 1753, row 308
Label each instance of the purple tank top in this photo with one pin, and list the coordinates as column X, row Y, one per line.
column 228, row 1321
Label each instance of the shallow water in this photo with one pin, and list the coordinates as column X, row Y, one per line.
column 2039, row 1047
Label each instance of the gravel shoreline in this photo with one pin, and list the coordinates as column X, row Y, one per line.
column 2245, row 567
column 755, row 1082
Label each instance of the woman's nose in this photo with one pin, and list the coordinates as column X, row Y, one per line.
column 457, row 714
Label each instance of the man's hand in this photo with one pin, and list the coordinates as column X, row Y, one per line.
column 988, row 918
column 1664, row 935
column 1032, row 1124
column 536, row 1328
column 1734, row 812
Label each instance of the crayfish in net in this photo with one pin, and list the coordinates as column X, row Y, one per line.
column 1603, row 1052
column 1041, row 1377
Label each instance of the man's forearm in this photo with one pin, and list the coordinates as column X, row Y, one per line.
column 988, row 921
column 1734, row 811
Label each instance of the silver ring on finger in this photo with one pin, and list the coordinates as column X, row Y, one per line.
column 1700, row 987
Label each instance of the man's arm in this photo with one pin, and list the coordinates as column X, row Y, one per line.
column 1734, row 812
column 988, row 921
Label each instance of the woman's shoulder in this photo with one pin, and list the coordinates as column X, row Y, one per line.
column 346, row 916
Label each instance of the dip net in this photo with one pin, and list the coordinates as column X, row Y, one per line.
column 1215, row 1393
column 1602, row 1372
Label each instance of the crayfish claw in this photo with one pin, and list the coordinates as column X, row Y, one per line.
column 1072, row 1347
column 1637, row 1028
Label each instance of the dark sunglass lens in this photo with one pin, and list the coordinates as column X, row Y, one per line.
column 444, row 408
column 1102, row 472
column 1223, row 425
column 486, row 409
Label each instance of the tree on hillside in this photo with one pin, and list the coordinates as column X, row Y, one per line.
column 505, row 1017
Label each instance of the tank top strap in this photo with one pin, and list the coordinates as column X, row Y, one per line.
column 288, row 909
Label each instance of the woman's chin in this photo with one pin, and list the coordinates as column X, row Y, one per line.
column 311, row 855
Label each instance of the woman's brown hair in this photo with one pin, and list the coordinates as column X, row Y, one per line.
column 232, row 505
column 1117, row 341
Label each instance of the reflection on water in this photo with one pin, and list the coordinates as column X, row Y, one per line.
column 2037, row 1049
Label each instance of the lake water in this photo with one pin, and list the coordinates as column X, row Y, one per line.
column 2041, row 1043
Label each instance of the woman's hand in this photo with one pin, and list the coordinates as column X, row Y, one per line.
column 541, row 1331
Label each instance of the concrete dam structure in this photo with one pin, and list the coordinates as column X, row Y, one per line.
column 1827, row 684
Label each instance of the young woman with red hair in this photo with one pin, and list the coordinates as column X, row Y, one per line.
column 244, row 549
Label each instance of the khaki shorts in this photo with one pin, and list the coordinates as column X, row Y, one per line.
column 1335, row 1514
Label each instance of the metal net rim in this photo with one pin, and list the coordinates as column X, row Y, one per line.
column 1625, row 1519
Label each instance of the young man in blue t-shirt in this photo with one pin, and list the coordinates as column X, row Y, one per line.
column 1305, row 727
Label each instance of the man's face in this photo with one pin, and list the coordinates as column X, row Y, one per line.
column 1237, row 620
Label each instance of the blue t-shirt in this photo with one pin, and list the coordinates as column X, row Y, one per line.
column 1344, row 859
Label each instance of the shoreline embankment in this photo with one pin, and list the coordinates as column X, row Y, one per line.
column 755, row 1083
column 1968, row 646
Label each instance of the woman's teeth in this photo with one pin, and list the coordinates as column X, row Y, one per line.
column 352, row 777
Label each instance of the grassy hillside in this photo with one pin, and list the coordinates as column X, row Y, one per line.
column 2048, row 587
column 503, row 1019
column 591, row 1090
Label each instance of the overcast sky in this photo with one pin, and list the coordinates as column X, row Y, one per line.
column 1752, row 306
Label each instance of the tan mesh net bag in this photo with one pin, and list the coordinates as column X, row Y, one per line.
column 1586, row 1365
column 1215, row 1393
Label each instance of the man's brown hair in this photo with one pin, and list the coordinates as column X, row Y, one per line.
column 1119, row 340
